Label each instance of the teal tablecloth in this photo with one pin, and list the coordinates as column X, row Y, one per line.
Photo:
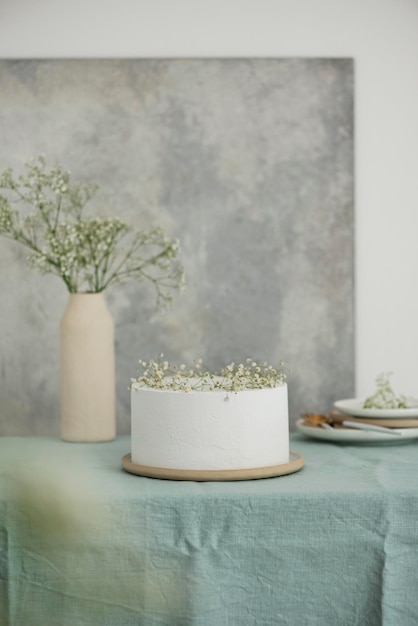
column 83, row 543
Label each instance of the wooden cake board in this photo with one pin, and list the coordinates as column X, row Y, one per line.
column 296, row 462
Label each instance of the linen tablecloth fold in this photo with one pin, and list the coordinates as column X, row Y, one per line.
column 84, row 543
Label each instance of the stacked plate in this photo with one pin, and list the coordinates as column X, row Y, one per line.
column 351, row 422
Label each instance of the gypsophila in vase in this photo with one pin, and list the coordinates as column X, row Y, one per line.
column 88, row 253
column 44, row 210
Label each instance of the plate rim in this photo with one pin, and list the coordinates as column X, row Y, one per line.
column 353, row 435
column 359, row 411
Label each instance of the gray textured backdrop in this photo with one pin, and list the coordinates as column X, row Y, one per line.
column 249, row 162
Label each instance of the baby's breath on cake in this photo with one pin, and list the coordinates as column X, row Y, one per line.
column 160, row 374
column 384, row 396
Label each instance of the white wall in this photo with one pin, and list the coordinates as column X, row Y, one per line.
column 382, row 36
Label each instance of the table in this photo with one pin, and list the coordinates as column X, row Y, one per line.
column 84, row 543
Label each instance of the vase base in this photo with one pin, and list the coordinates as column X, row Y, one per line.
column 84, row 440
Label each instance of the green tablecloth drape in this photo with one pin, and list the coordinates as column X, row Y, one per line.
column 84, row 543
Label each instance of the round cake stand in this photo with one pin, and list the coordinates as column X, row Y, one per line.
column 296, row 462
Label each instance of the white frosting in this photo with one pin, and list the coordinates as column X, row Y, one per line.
column 209, row 429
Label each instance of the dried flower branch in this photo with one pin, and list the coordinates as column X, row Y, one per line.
column 384, row 396
column 162, row 375
column 43, row 210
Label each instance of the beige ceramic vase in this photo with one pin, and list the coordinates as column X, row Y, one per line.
column 87, row 362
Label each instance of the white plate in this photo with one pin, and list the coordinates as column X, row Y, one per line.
column 354, row 406
column 351, row 435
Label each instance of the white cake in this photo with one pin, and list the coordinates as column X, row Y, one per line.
column 209, row 430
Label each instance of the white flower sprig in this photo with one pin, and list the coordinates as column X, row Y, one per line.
column 384, row 396
column 162, row 375
column 43, row 210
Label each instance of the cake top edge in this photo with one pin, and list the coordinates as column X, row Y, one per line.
column 161, row 375
column 136, row 386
